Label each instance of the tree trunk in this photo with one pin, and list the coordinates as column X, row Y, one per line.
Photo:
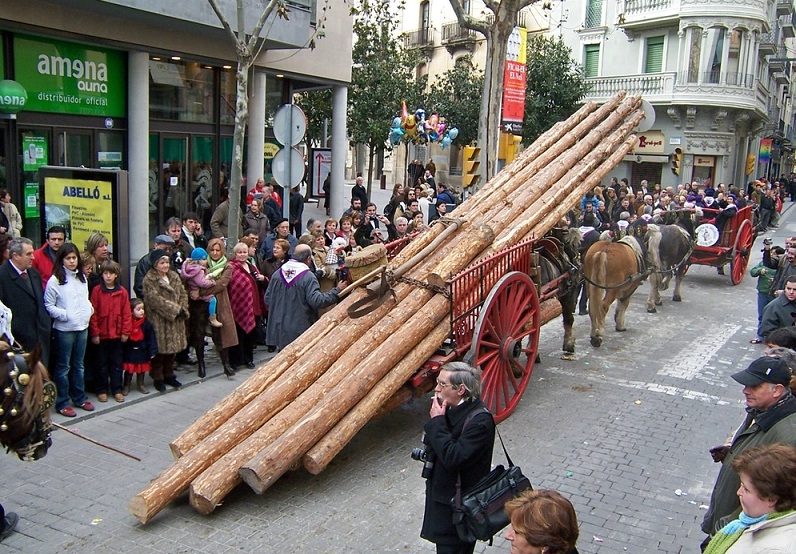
column 238, row 137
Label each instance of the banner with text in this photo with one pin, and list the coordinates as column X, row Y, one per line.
column 80, row 206
column 65, row 77
column 513, row 112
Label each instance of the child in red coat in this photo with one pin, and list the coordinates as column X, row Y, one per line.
column 110, row 326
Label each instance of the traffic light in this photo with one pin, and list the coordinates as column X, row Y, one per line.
column 676, row 158
column 472, row 170
column 750, row 164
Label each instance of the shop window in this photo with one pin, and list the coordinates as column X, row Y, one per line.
column 181, row 91
column 654, row 58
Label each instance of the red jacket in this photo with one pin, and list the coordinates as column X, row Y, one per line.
column 43, row 263
column 112, row 315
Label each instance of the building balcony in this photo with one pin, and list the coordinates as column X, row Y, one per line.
column 422, row 39
column 455, row 37
column 732, row 90
column 781, row 78
column 644, row 14
column 784, row 7
column 786, row 26
column 769, row 42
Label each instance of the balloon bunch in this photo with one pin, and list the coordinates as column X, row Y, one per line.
column 416, row 128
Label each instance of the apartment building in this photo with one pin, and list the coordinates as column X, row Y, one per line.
column 149, row 86
column 716, row 72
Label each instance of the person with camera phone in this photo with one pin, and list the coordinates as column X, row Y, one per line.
column 765, row 272
column 458, row 441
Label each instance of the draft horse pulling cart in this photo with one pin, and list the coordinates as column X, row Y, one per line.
column 497, row 306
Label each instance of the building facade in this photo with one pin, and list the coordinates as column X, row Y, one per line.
column 149, row 87
column 716, row 73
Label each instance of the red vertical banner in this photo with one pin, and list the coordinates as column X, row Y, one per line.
column 513, row 112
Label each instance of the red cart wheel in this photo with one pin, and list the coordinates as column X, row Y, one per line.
column 741, row 252
column 509, row 317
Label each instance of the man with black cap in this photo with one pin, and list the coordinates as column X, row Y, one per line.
column 161, row 242
column 771, row 418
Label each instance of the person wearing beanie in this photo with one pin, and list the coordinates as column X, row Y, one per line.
column 194, row 273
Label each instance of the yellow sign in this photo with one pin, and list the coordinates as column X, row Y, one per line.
column 651, row 142
column 704, row 161
column 269, row 150
column 81, row 206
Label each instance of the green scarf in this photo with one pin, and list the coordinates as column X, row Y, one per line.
column 730, row 533
column 214, row 269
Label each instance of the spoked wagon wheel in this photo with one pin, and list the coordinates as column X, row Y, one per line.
column 741, row 251
column 505, row 342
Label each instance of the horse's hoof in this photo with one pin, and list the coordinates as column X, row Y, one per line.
column 569, row 348
column 622, row 330
column 676, row 299
column 652, row 310
column 659, row 302
column 596, row 342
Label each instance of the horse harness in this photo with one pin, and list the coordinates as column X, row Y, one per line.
column 24, row 425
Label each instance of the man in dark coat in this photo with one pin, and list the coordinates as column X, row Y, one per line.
column 359, row 191
column 21, row 292
column 294, row 298
column 459, row 438
column 162, row 242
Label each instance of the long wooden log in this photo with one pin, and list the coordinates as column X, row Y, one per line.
column 371, row 406
column 272, row 462
column 215, row 483
column 176, row 479
column 583, row 161
column 209, row 488
column 258, row 381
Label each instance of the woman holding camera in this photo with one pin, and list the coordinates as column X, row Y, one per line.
column 459, row 438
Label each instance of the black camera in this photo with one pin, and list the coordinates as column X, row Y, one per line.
column 425, row 455
column 767, row 241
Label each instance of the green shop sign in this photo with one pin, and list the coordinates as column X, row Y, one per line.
column 63, row 77
column 13, row 97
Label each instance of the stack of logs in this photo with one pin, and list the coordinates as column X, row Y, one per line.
column 305, row 404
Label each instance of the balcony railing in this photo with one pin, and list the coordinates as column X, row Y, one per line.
column 786, row 25
column 419, row 39
column 729, row 78
column 646, row 85
column 452, row 32
column 784, row 7
column 638, row 7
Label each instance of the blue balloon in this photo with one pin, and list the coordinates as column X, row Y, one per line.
column 446, row 141
column 453, row 133
column 396, row 123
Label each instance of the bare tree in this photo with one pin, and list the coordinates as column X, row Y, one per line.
column 496, row 29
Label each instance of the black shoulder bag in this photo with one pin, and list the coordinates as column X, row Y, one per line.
column 478, row 514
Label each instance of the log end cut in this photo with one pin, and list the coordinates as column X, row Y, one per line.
column 176, row 451
column 201, row 503
column 251, row 478
column 138, row 507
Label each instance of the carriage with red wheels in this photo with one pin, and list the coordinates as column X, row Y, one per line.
column 497, row 306
column 728, row 243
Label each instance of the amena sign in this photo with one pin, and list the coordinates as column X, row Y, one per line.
column 63, row 77
column 13, row 97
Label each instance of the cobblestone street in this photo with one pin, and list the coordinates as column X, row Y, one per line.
column 623, row 431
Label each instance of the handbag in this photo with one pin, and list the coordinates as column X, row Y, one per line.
column 478, row 514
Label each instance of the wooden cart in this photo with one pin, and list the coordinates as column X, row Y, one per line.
column 734, row 246
column 494, row 321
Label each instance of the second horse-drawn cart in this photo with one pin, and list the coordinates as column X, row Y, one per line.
column 725, row 240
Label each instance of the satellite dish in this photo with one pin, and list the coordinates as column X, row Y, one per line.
column 649, row 118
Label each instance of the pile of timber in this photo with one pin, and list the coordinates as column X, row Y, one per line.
column 307, row 403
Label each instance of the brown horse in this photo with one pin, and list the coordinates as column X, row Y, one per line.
column 612, row 271
column 27, row 396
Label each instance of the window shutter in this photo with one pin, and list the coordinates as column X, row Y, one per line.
column 591, row 63
column 654, row 61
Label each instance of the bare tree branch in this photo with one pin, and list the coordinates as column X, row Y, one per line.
column 260, row 22
column 223, row 20
column 468, row 21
